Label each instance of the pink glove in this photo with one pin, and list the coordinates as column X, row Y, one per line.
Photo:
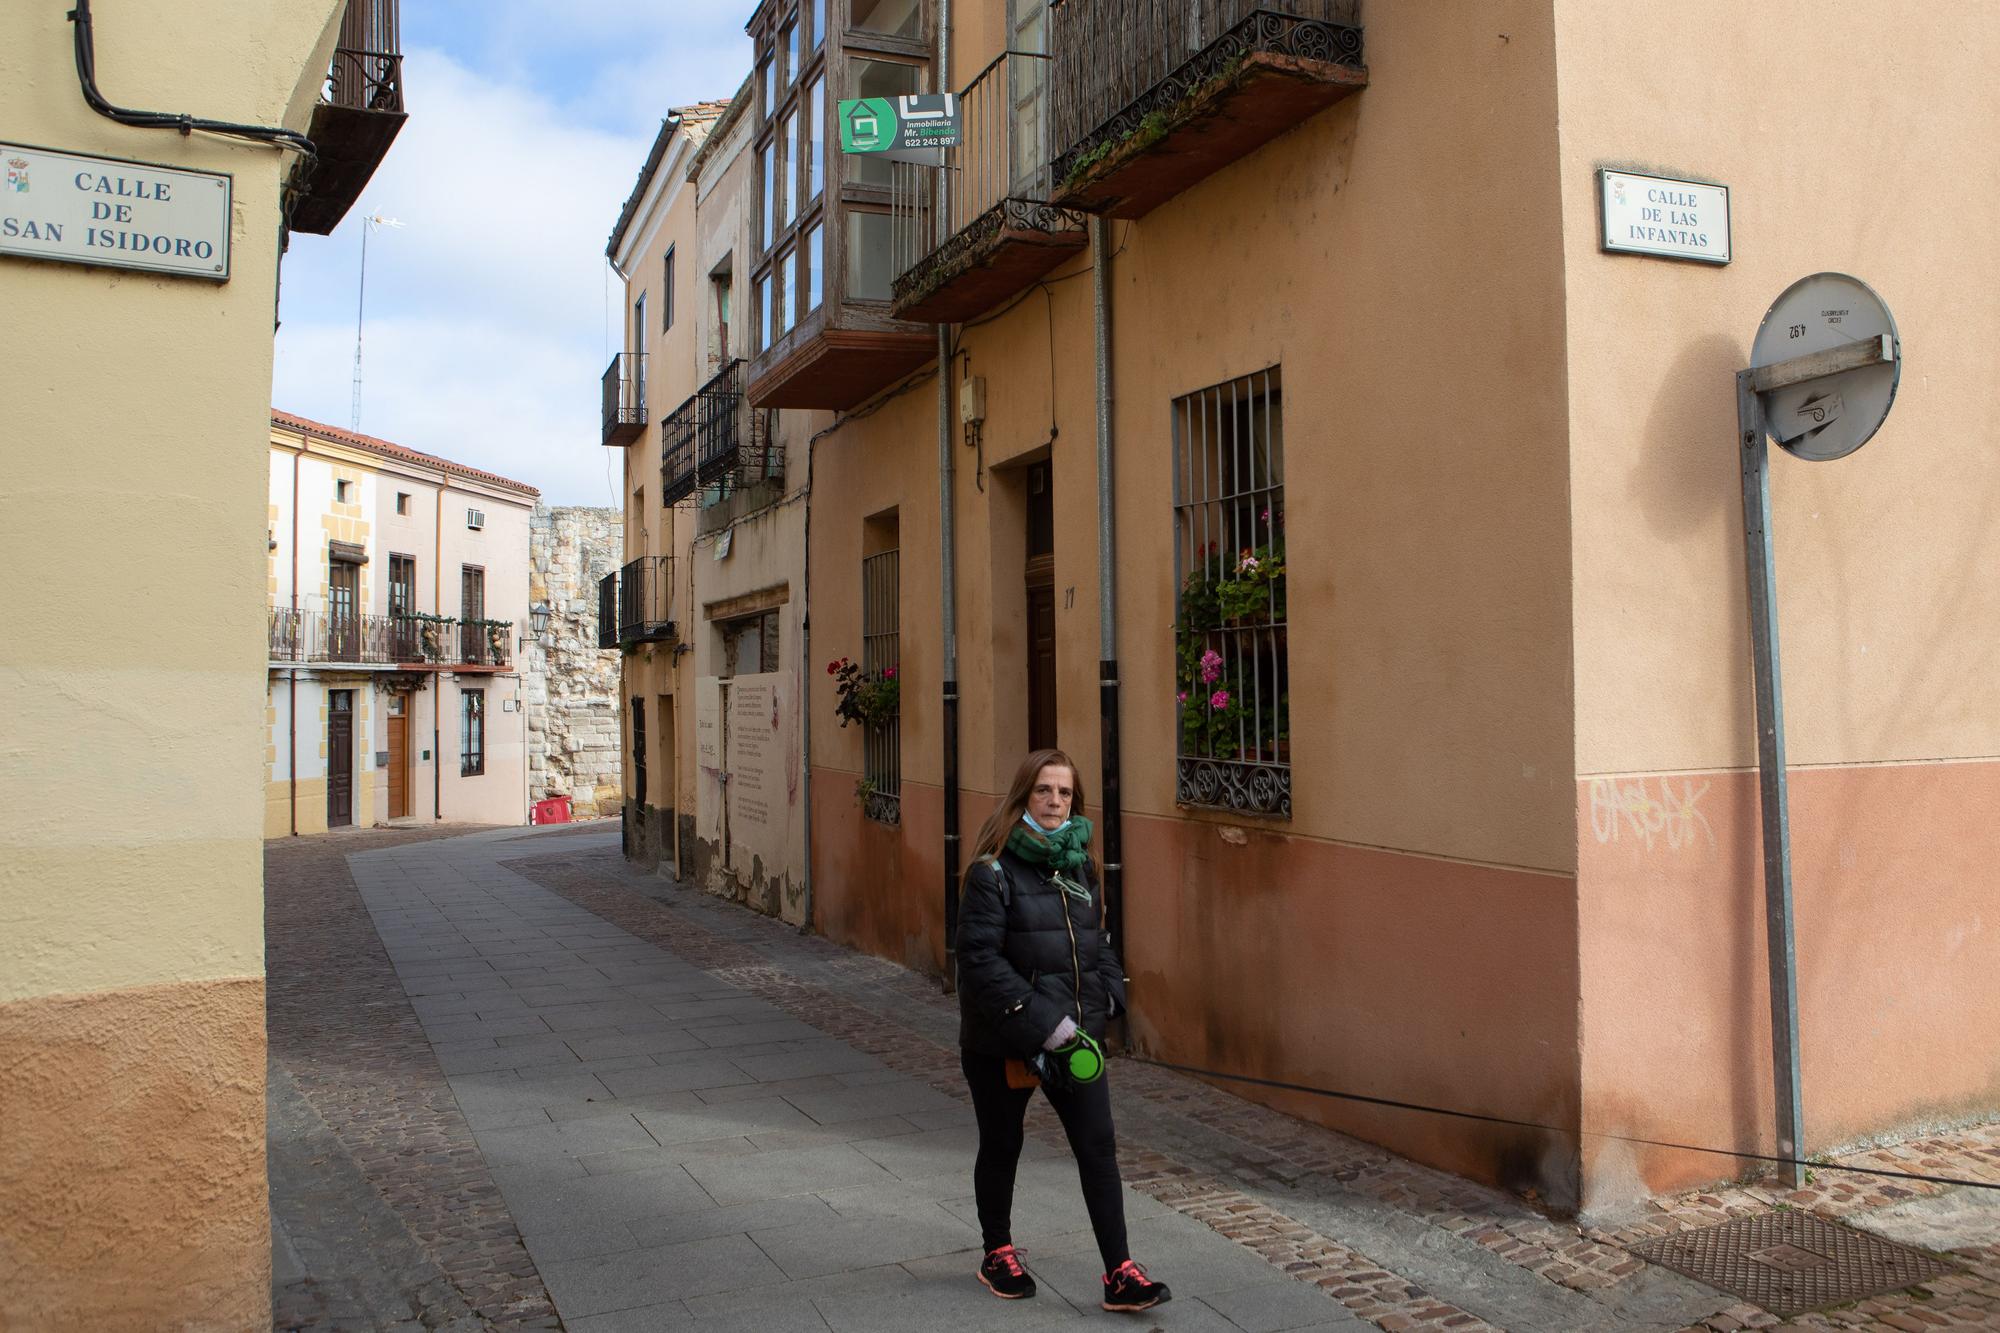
column 1064, row 1034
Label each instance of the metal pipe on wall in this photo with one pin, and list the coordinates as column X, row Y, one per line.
column 292, row 695
column 948, row 577
column 1112, row 811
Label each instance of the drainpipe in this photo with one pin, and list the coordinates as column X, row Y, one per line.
column 437, row 677
column 1107, row 597
column 948, row 579
column 805, row 714
column 292, row 695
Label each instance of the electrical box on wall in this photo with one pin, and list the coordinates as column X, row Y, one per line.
column 972, row 401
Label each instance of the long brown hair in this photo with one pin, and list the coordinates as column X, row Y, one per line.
column 999, row 825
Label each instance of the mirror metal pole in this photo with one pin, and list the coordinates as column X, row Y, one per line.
column 1761, row 567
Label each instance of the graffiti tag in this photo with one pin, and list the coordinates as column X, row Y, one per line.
column 1631, row 809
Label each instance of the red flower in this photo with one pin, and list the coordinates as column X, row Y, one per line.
column 832, row 667
column 888, row 673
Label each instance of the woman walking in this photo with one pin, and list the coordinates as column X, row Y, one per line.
column 1037, row 980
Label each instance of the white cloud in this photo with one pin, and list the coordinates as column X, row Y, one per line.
column 487, row 324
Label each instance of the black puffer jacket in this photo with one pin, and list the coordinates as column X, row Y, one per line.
column 1029, row 955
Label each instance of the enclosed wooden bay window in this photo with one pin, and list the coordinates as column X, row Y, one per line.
column 821, row 331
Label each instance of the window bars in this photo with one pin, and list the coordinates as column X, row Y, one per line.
column 1233, row 687
column 882, row 739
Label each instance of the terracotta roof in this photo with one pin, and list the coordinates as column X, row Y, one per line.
column 286, row 421
column 695, row 119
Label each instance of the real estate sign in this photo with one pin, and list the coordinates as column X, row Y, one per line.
column 78, row 209
column 892, row 125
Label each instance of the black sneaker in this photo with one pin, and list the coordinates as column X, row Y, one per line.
column 1130, row 1289
column 1004, row 1277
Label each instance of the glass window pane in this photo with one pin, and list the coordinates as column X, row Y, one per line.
column 763, row 312
column 786, row 293
column 788, row 56
column 764, row 174
column 768, row 76
column 868, row 273
column 790, row 190
column 880, row 78
column 815, row 265
column 902, row 18
column 818, row 22
column 815, row 139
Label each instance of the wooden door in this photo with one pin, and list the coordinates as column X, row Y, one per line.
column 340, row 758
column 343, row 612
column 1041, row 668
column 399, row 760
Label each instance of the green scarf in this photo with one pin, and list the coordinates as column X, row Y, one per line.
column 1067, row 850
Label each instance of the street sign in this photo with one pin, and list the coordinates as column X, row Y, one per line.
column 1836, row 412
column 75, row 208
column 892, row 125
column 1657, row 215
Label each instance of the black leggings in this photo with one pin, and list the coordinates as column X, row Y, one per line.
column 1085, row 1111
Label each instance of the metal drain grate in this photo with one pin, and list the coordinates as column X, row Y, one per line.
column 1789, row 1263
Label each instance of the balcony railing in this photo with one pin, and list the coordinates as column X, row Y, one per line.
column 625, row 398
column 715, row 440
column 1203, row 81
column 415, row 642
column 646, row 599
column 358, row 116
column 607, row 610
column 679, row 430
column 996, row 230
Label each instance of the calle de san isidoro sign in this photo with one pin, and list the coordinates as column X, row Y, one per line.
column 76, row 208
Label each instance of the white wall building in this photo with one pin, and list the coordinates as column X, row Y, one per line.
column 398, row 586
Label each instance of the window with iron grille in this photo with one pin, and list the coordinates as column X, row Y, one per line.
column 1233, row 692
column 881, row 656
column 472, row 733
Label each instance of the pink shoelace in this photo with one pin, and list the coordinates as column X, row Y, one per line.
column 1127, row 1269
column 1010, row 1259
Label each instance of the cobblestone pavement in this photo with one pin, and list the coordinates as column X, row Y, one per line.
column 1399, row 1244
column 384, row 1214
column 697, row 1117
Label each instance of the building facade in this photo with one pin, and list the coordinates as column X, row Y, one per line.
column 399, row 596
column 708, row 610
column 133, row 1188
column 1238, row 346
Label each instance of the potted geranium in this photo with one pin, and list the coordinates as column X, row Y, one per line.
column 864, row 697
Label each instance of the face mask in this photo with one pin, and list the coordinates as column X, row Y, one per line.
column 1029, row 820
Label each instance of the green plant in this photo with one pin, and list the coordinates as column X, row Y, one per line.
column 864, row 791
column 864, row 697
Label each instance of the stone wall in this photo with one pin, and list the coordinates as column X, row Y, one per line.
column 571, row 683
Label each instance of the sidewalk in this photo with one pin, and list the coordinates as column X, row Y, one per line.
column 670, row 1112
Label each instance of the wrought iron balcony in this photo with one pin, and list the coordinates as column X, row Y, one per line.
column 408, row 641
column 678, row 431
column 715, row 442
column 483, row 643
column 1150, row 97
column 607, row 610
column 646, row 600
column 625, row 398
column 996, row 230
column 358, row 116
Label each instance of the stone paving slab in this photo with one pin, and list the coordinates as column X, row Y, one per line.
column 678, row 1151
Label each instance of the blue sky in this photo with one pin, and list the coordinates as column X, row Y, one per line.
column 486, row 322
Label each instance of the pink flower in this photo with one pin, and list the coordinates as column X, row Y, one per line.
column 1266, row 516
column 1211, row 667
column 1219, row 700
column 1248, row 566
column 1181, row 698
column 888, row 673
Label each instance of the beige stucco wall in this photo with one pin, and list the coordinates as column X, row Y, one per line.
column 136, row 410
column 1886, row 612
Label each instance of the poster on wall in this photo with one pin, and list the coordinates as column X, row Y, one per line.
column 708, row 756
